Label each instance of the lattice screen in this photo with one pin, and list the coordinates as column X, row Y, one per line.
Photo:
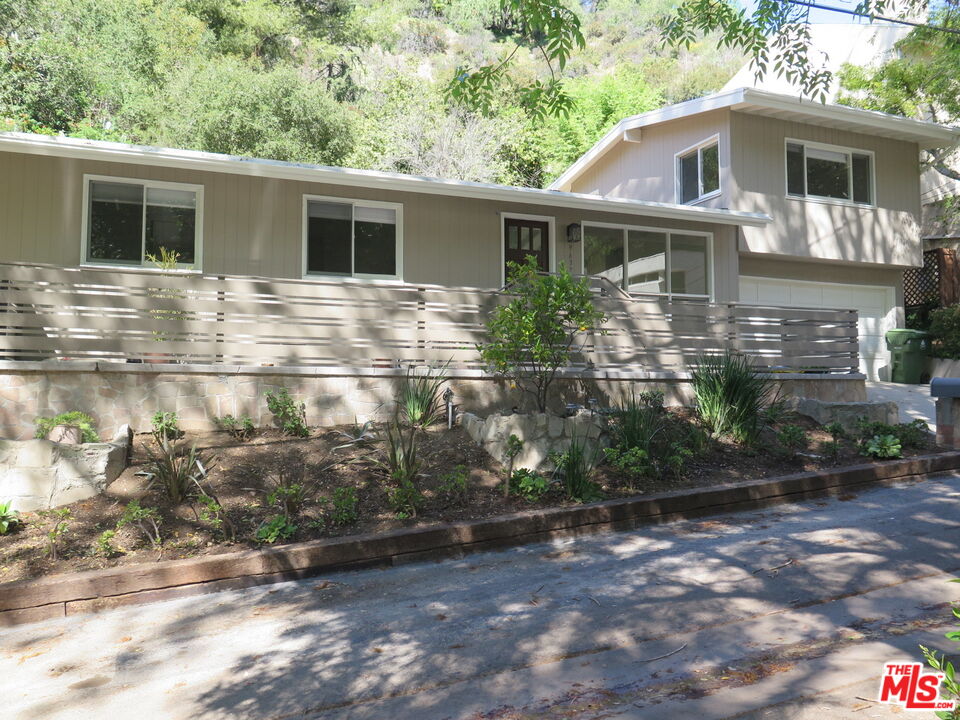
column 921, row 286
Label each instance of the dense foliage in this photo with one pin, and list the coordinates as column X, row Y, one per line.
column 541, row 330
column 362, row 83
column 921, row 81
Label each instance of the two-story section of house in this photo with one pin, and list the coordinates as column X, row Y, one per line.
column 842, row 186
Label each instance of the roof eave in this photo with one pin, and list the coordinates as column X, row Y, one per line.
column 198, row 161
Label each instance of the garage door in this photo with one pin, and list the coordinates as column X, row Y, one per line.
column 874, row 303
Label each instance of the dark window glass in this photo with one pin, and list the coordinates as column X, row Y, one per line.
column 795, row 169
column 827, row 174
column 171, row 223
column 862, row 192
column 710, row 168
column 116, row 223
column 603, row 253
column 375, row 242
column 689, row 182
column 328, row 238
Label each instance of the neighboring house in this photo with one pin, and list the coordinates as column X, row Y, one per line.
column 842, row 186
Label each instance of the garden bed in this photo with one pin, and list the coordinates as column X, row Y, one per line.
column 458, row 481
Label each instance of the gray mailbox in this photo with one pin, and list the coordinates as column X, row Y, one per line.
column 945, row 387
column 947, row 393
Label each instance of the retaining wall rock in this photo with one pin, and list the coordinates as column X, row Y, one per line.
column 542, row 434
column 41, row 474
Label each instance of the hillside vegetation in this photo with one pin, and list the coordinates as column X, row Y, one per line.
column 357, row 83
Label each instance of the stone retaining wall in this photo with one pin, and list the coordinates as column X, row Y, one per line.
column 40, row 474
column 115, row 394
column 541, row 433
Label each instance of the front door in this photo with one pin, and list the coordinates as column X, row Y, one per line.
column 526, row 237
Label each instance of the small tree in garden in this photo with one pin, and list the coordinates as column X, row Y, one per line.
column 535, row 334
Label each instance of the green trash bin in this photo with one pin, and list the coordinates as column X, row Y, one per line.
column 908, row 351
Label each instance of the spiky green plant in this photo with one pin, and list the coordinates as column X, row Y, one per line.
column 420, row 401
column 731, row 395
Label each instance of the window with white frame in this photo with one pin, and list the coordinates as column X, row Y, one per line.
column 352, row 238
column 829, row 172
column 129, row 221
column 649, row 260
column 698, row 171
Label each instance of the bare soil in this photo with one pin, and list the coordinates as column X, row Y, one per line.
column 241, row 474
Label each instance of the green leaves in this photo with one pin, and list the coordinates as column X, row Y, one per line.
column 533, row 335
column 775, row 35
column 552, row 31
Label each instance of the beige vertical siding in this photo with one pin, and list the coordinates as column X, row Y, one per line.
column 254, row 226
column 887, row 234
column 646, row 170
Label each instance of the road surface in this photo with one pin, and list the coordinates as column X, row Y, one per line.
column 782, row 613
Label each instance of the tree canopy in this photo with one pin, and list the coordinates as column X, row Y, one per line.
column 362, row 83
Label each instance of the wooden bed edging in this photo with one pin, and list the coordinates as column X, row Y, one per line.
column 28, row 601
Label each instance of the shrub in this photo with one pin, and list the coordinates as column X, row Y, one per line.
column 274, row 528
column 836, row 431
column 402, row 465
column 420, row 401
column 513, row 449
column 913, row 434
column 535, row 334
column 289, row 415
column 649, row 442
column 288, row 491
column 529, row 485
column 9, row 518
column 213, row 513
column 177, row 470
column 75, row 418
column 944, row 663
column 634, row 462
column 454, row 484
column 730, row 395
column 882, row 446
column 145, row 519
column 345, row 504
column 240, row 427
column 104, row 547
column 575, row 468
column 945, row 332
column 166, row 426
column 59, row 527
column 792, row 438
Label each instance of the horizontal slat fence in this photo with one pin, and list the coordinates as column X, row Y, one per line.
column 87, row 313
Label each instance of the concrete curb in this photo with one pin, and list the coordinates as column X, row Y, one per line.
column 62, row 595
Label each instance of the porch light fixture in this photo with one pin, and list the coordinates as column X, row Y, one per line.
column 573, row 233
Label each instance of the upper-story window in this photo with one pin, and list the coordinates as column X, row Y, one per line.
column 698, row 171
column 829, row 172
column 128, row 221
column 353, row 238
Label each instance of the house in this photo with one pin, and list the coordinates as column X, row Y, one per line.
column 72, row 203
column 841, row 185
column 743, row 219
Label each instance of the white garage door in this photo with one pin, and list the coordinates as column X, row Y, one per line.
column 875, row 304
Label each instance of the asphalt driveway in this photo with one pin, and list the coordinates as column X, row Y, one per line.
column 783, row 613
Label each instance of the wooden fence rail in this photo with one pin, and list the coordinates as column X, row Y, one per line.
column 123, row 315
